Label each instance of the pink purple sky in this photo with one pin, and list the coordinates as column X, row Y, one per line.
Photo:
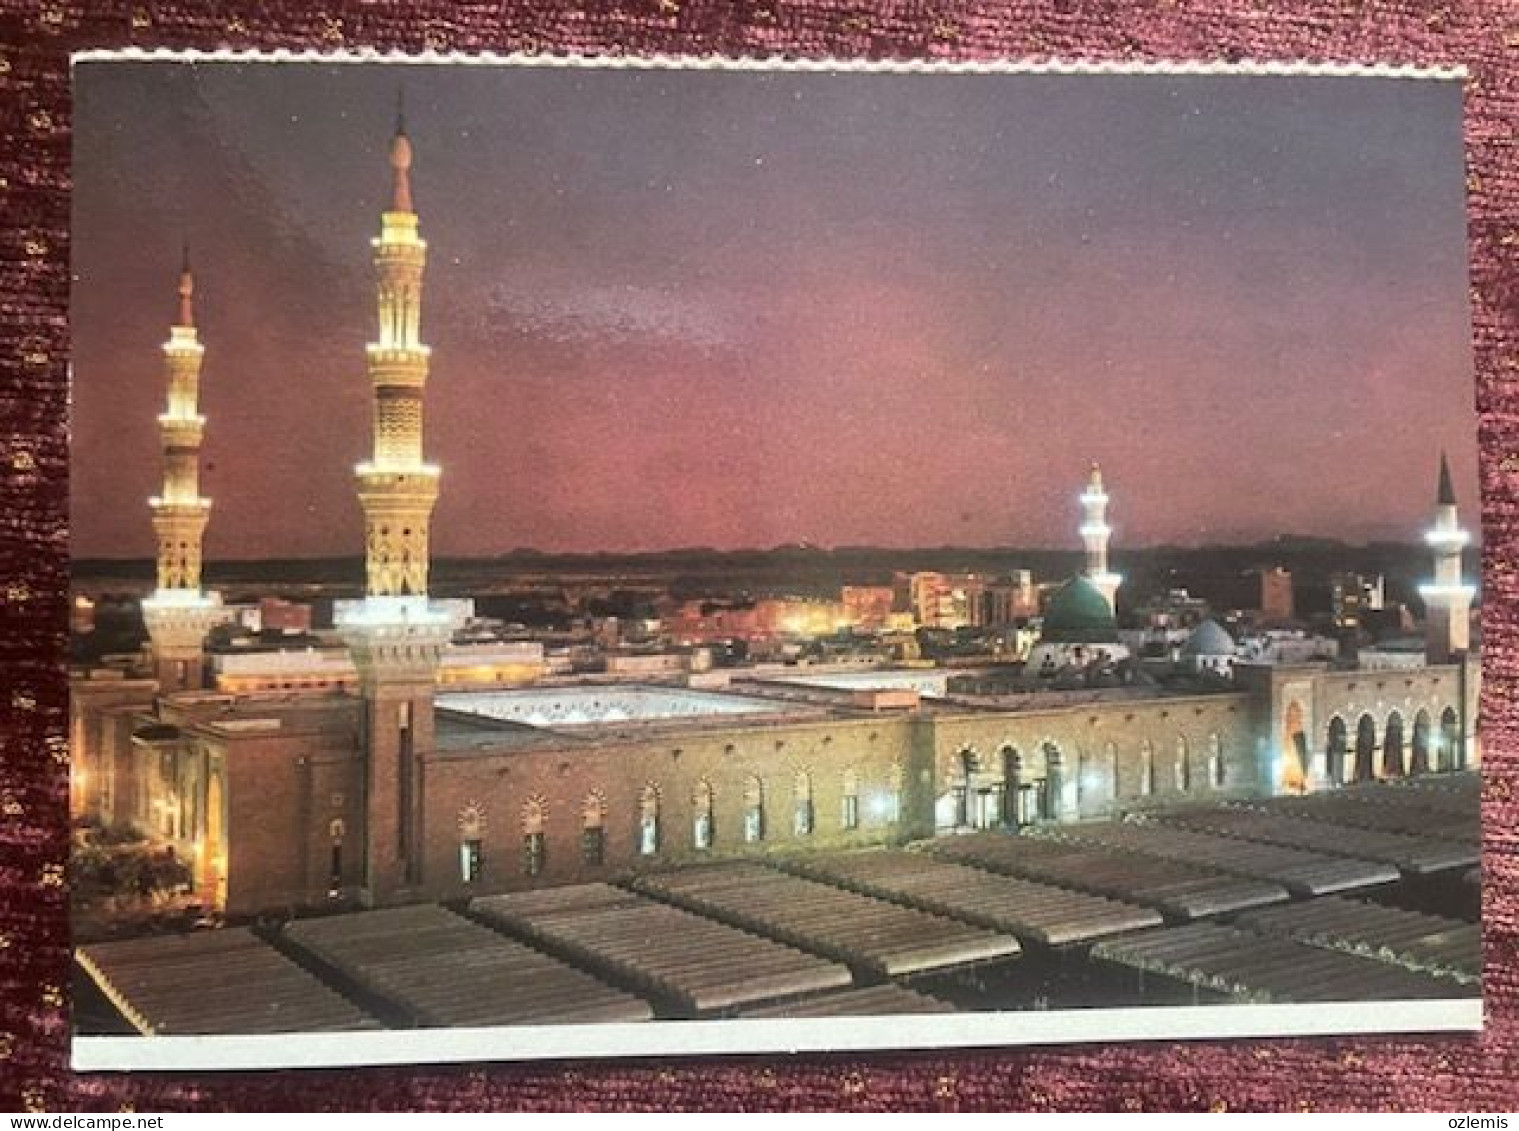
column 733, row 309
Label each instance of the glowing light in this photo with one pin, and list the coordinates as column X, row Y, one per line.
column 1447, row 538
column 182, row 599
column 1438, row 592
column 377, row 610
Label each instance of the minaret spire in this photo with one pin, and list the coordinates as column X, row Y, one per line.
column 400, row 159
column 186, row 290
column 1095, row 533
column 179, row 614
column 1448, row 598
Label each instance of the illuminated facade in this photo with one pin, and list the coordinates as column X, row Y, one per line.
column 179, row 614
column 1095, row 533
column 1448, row 599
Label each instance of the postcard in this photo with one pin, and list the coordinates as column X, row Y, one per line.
column 600, row 558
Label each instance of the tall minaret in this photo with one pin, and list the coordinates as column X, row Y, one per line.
column 179, row 615
column 1095, row 532
column 395, row 635
column 1448, row 599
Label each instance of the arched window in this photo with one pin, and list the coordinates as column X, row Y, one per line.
column 1392, row 747
column 648, row 821
column 471, row 843
column 1146, row 768
column 801, row 812
column 1183, row 765
column 966, row 764
column 701, row 816
column 593, row 833
column 754, row 810
column 335, row 832
column 849, row 810
column 1452, row 755
column 1365, row 749
column 533, row 845
column 1420, row 763
column 1336, row 753
column 1215, row 761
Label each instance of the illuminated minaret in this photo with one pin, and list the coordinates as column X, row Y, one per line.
column 1095, row 532
column 179, row 614
column 395, row 635
column 1448, row 599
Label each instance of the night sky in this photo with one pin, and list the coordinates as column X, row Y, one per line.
column 729, row 309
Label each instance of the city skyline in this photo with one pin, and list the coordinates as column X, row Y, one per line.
column 782, row 324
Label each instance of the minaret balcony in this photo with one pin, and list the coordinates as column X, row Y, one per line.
column 182, row 339
column 412, row 488
column 181, row 431
column 398, row 365
column 193, row 507
column 1442, row 539
column 1437, row 594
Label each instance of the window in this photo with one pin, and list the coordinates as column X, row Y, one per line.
column 533, row 847
column 754, row 811
column 648, row 821
column 593, row 840
column 335, row 830
column 701, row 816
column 471, row 861
column 849, row 815
column 532, row 853
column 802, row 812
column 1146, row 769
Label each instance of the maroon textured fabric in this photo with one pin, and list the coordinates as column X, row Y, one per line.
column 1452, row 1073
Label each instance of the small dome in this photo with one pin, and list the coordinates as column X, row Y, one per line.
column 1209, row 639
column 1078, row 613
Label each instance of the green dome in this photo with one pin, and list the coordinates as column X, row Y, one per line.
column 1078, row 613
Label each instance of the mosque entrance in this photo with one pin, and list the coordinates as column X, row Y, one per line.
column 1294, row 776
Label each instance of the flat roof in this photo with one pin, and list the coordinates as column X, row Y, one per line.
column 1299, row 871
column 218, row 981
column 1033, row 912
column 866, row 933
column 1178, row 888
column 1414, row 856
column 440, row 969
column 699, row 965
column 1255, row 968
column 569, row 706
column 1447, row 948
